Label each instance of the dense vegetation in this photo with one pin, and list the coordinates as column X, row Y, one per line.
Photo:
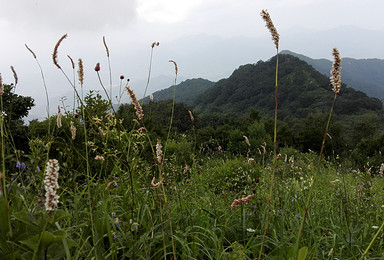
column 173, row 181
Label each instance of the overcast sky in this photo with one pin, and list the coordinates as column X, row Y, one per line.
column 130, row 26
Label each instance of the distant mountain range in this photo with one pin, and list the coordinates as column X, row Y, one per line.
column 366, row 75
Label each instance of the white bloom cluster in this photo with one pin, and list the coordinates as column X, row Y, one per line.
column 51, row 185
column 159, row 152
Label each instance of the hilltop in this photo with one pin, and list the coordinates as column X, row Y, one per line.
column 302, row 90
column 365, row 75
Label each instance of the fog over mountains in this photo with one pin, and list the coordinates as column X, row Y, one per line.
column 213, row 58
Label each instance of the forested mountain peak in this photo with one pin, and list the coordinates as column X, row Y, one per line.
column 301, row 90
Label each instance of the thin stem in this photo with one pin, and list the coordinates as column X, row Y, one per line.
column 373, row 240
column 106, row 93
column 149, row 76
column 172, row 113
column 326, row 129
column 274, row 161
column 3, row 165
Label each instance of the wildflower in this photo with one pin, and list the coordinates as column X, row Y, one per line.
column 99, row 158
column 97, row 67
column 97, row 120
column 375, row 227
column 51, row 185
column 247, row 140
column 251, row 160
column 73, row 131
column 269, row 24
column 219, row 148
column 191, row 116
column 186, row 169
column 157, row 185
column 122, row 77
column 113, row 215
column 23, row 166
column 101, row 131
column 151, row 98
column 257, row 180
column 38, row 169
column 117, row 222
column 155, row 44
column 59, row 116
column 335, row 72
column 159, row 152
column 381, row 170
column 18, row 164
column 330, row 252
column 241, row 201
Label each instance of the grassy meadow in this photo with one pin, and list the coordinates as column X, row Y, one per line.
column 89, row 187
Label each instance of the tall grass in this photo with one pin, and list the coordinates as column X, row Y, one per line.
column 275, row 37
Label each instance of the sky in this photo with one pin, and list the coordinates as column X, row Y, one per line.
column 130, row 27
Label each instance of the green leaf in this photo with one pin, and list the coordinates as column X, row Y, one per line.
column 4, row 217
column 24, row 217
column 302, row 253
column 47, row 239
column 61, row 214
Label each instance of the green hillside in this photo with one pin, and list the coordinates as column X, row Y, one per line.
column 186, row 92
column 302, row 90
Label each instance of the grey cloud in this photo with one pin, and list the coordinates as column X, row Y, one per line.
column 71, row 15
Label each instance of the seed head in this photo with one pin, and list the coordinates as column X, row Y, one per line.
column 176, row 70
column 157, row 185
column 14, row 75
column 106, row 47
column 191, row 116
column 72, row 63
column 241, row 201
column 1, row 86
column 31, row 51
column 59, row 116
column 80, row 72
column 73, row 130
column 55, row 51
column 269, row 24
column 139, row 110
column 335, row 72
